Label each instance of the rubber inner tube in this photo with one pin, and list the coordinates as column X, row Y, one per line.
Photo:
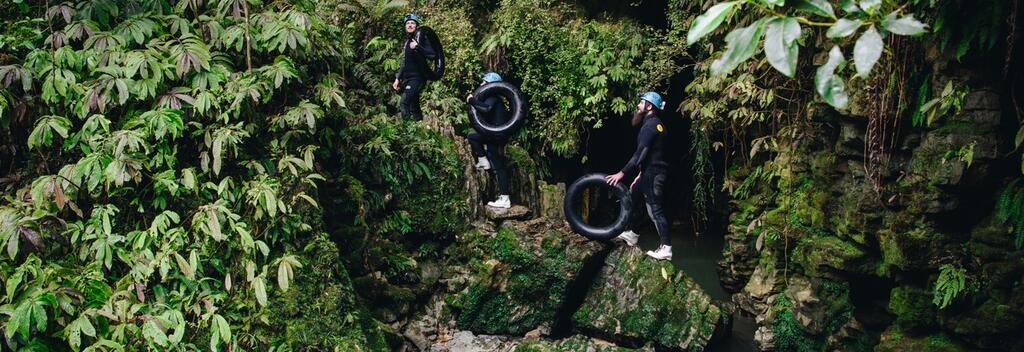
column 516, row 104
column 621, row 193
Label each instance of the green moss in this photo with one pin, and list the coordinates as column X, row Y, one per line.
column 909, row 250
column 819, row 253
column 320, row 310
column 896, row 340
column 576, row 343
column 639, row 298
column 913, row 308
column 790, row 337
column 521, row 281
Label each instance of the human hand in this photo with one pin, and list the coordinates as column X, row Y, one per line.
column 614, row 179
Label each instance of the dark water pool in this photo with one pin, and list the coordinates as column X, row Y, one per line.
column 698, row 257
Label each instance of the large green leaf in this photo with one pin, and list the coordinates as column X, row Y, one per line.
column 829, row 86
column 817, row 7
column 843, row 28
column 780, row 44
column 741, row 44
column 870, row 6
column 867, row 51
column 710, row 20
column 906, row 25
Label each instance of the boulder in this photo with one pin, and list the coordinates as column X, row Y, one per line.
column 990, row 325
column 820, row 255
column 895, row 340
column 519, row 276
column 913, row 308
column 576, row 343
column 516, row 212
column 466, row 341
column 636, row 298
column 913, row 249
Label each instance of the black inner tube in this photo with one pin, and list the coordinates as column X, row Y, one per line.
column 621, row 193
column 516, row 109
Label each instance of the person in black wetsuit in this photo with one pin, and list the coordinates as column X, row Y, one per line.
column 489, row 151
column 649, row 161
column 412, row 74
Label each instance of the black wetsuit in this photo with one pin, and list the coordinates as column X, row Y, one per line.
column 649, row 158
column 412, row 75
column 493, row 111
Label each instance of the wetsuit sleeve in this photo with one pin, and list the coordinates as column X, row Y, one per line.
column 643, row 143
column 401, row 63
column 483, row 106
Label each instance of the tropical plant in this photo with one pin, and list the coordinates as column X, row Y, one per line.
column 781, row 24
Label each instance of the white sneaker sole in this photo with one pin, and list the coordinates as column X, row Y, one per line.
column 659, row 257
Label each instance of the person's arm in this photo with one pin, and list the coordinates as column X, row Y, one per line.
column 643, row 143
column 401, row 63
column 483, row 106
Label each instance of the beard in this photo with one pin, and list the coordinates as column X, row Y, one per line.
column 638, row 116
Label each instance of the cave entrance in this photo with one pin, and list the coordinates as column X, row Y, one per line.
column 697, row 247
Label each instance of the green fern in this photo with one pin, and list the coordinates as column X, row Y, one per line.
column 1010, row 210
column 949, row 285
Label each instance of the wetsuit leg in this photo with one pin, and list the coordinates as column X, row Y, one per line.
column 476, row 143
column 410, row 103
column 653, row 186
column 496, row 155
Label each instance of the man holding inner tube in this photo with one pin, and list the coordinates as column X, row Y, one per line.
column 412, row 74
column 489, row 150
column 649, row 161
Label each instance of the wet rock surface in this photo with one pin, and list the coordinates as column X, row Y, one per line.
column 636, row 298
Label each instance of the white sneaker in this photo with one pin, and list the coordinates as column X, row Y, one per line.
column 663, row 253
column 482, row 163
column 629, row 237
column 501, row 202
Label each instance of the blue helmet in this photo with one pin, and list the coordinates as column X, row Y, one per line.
column 411, row 17
column 654, row 99
column 491, row 77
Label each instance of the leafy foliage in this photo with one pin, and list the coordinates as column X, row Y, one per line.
column 170, row 184
column 574, row 72
column 781, row 25
column 1010, row 210
column 949, row 285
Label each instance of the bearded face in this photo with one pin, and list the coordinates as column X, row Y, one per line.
column 643, row 108
column 410, row 26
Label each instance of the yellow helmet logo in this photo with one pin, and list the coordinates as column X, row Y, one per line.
column 661, row 129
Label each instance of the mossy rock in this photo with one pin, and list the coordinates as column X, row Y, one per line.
column 990, row 325
column 321, row 311
column 913, row 308
column 819, row 255
column 636, row 298
column 521, row 275
column 912, row 250
column 576, row 343
column 896, row 340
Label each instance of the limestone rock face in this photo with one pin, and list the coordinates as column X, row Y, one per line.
column 636, row 298
column 516, row 212
column 520, row 276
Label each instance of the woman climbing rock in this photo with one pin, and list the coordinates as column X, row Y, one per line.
column 489, row 150
column 649, row 161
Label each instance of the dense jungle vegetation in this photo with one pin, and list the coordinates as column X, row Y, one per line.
column 234, row 174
